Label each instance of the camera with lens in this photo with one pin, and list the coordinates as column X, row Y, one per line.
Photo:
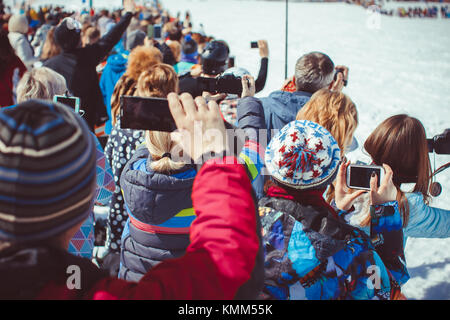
column 225, row 83
column 440, row 144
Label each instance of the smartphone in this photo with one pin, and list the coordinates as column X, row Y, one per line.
column 73, row 102
column 231, row 61
column 150, row 31
column 358, row 176
column 151, row 114
column 254, row 45
column 157, row 32
column 140, row 113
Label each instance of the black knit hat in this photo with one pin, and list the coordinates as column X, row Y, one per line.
column 68, row 34
column 47, row 171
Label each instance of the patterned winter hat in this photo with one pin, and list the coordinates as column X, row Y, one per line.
column 47, row 171
column 303, row 155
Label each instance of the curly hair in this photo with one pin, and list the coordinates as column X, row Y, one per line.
column 159, row 81
column 139, row 60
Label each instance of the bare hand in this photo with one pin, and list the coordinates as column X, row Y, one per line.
column 387, row 191
column 200, row 126
column 343, row 196
column 263, row 48
column 148, row 42
column 216, row 97
column 248, row 86
column 341, row 79
column 129, row 6
column 197, row 71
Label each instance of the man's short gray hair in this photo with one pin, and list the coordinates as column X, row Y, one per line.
column 40, row 83
column 313, row 71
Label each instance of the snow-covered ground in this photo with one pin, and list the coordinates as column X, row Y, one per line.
column 396, row 66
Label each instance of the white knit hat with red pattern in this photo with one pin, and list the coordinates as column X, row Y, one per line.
column 303, row 155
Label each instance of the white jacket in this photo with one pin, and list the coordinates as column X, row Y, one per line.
column 22, row 48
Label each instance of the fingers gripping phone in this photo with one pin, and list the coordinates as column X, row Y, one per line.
column 358, row 176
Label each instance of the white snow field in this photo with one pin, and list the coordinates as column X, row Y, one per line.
column 397, row 65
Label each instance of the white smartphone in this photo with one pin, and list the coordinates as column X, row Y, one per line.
column 358, row 176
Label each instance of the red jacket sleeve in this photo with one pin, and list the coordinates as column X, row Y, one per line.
column 223, row 247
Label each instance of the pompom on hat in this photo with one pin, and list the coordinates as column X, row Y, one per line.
column 47, row 171
column 68, row 34
column 303, row 155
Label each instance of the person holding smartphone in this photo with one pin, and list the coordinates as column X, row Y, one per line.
column 400, row 141
column 78, row 65
column 33, row 255
column 310, row 250
column 157, row 191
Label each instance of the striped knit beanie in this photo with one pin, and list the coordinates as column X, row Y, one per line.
column 47, row 171
column 303, row 155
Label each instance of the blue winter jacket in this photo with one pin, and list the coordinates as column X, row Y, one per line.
column 309, row 254
column 160, row 214
column 281, row 107
column 250, row 116
column 426, row 221
column 115, row 67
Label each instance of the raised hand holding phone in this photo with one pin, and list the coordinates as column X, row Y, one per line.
column 248, row 86
column 386, row 192
column 201, row 129
column 343, row 196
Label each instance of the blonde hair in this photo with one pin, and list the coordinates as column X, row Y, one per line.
column 337, row 113
column 159, row 81
column 40, row 83
column 139, row 60
column 334, row 111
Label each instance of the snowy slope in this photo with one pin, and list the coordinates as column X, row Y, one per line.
column 396, row 66
column 401, row 67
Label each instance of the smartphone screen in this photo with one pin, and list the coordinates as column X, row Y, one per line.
column 146, row 114
column 360, row 176
column 157, row 32
column 72, row 102
column 254, row 44
column 231, row 62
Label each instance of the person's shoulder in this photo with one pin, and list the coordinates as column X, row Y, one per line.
column 414, row 197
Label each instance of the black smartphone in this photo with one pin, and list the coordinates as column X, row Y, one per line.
column 73, row 102
column 254, row 45
column 157, row 33
column 140, row 113
column 208, row 84
column 358, row 176
column 231, row 61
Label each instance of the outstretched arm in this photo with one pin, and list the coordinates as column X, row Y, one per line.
column 224, row 243
column 99, row 50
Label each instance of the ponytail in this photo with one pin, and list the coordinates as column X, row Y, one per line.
column 159, row 144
